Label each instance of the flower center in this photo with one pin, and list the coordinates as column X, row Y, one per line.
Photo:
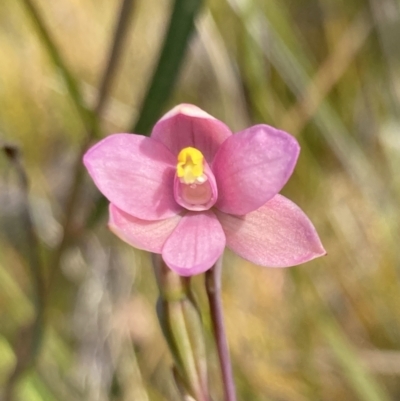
column 190, row 167
column 195, row 187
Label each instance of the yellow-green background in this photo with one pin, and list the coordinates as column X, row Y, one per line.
column 327, row 71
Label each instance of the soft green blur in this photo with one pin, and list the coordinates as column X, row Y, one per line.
column 327, row 71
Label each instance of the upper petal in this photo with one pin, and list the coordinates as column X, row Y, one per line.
column 278, row 234
column 134, row 173
column 252, row 166
column 141, row 234
column 195, row 244
column 187, row 125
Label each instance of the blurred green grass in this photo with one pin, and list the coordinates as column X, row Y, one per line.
column 325, row 70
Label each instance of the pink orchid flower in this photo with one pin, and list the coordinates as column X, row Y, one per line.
column 193, row 188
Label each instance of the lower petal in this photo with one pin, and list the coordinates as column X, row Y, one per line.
column 195, row 244
column 278, row 234
column 142, row 234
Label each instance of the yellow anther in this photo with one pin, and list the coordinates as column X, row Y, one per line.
column 190, row 165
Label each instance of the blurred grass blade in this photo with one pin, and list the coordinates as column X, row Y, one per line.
column 120, row 34
column 296, row 69
column 354, row 371
column 367, row 388
column 386, row 14
column 121, row 28
column 87, row 116
column 181, row 27
column 31, row 337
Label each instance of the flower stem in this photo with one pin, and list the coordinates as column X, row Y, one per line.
column 213, row 288
column 181, row 323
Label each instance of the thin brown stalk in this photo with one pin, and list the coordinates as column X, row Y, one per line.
column 121, row 28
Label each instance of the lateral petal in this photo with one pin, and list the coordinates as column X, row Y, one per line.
column 142, row 234
column 252, row 166
column 136, row 174
column 278, row 234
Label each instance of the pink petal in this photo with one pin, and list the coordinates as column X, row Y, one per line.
column 141, row 234
column 136, row 174
column 278, row 234
column 187, row 125
column 252, row 166
column 195, row 245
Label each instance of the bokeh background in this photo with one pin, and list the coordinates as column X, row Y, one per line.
column 77, row 316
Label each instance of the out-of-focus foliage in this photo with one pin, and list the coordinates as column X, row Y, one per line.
column 325, row 70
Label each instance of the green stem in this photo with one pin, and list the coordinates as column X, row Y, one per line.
column 181, row 323
column 180, row 29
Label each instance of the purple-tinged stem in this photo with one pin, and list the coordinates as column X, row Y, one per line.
column 213, row 288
